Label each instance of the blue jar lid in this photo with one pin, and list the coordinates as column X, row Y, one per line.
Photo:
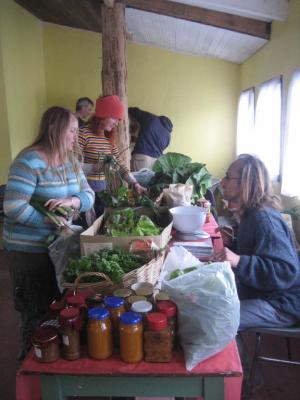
column 130, row 318
column 98, row 313
column 113, row 301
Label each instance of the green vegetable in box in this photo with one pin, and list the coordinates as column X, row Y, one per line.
column 113, row 262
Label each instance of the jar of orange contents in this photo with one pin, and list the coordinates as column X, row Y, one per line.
column 131, row 337
column 116, row 308
column 99, row 334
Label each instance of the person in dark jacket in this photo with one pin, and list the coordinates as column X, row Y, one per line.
column 264, row 259
column 152, row 133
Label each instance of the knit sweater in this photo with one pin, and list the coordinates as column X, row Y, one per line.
column 31, row 178
column 269, row 266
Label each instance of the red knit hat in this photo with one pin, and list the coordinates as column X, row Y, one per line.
column 109, row 107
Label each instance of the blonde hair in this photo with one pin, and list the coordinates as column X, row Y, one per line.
column 255, row 183
column 50, row 139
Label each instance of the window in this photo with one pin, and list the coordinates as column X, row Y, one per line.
column 245, row 121
column 264, row 138
column 291, row 155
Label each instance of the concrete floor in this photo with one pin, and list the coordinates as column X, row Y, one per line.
column 281, row 382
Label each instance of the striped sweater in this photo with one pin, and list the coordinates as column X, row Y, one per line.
column 29, row 178
column 94, row 149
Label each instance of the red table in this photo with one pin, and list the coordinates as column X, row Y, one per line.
column 219, row 377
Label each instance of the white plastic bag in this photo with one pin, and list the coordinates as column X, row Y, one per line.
column 208, row 310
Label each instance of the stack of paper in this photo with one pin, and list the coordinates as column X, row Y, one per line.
column 202, row 250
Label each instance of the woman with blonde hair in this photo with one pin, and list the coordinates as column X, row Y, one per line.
column 48, row 172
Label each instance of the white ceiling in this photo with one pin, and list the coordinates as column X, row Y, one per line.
column 203, row 40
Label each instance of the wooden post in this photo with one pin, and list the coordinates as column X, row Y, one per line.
column 114, row 67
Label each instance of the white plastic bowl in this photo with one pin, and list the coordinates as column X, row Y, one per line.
column 188, row 219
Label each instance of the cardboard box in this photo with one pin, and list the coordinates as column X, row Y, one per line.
column 91, row 240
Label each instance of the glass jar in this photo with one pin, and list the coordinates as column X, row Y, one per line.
column 99, row 334
column 161, row 296
column 45, row 344
column 131, row 337
column 144, row 289
column 142, row 307
column 169, row 308
column 116, row 308
column 78, row 301
column 157, row 338
column 94, row 301
column 55, row 308
column 124, row 294
column 133, row 299
column 70, row 325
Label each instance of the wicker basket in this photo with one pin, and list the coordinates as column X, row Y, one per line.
column 147, row 273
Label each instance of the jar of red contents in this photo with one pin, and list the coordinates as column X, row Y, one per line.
column 169, row 308
column 70, row 325
column 77, row 301
column 116, row 308
column 45, row 344
column 157, row 338
column 55, row 308
column 94, row 301
column 131, row 337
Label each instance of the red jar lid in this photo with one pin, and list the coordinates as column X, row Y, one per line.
column 56, row 306
column 167, row 307
column 69, row 313
column 76, row 301
column 157, row 321
column 44, row 335
column 86, row 293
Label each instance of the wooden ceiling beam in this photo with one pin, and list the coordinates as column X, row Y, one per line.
column 248, row 26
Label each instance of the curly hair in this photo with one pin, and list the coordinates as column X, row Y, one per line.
column 255, row 182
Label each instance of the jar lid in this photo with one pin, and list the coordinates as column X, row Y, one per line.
column 167, row 307
column 98, row 313
column 122, row 292
column 141, row 306
column 130, row 318
column 145, row 285
column 97, row 298
column 133, row 299
column 69, row 313
column 144, row 291
column 113, row 301
column 76, row 300
column 84, row 293
column 162, row 296
column 44, row 335
column 56, row 306
column 157, row 321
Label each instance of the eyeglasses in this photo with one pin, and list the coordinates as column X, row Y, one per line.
column 228, row 178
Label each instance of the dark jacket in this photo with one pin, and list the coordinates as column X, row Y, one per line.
column 154, row 135
column 269, row 266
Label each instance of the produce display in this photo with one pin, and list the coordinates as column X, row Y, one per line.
column 178, row 168
column 120, row 198
column 126, row 222
column 114, row 263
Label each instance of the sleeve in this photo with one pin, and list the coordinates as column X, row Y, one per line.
column 86, row 194
column 273, row 264
column 20, row 187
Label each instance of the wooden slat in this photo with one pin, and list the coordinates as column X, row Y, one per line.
column 218, row 19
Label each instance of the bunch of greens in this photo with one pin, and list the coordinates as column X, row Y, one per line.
column 114, row 263
column 178, row 168
column 60, row 211
column 178, row 272
column 120, row 198
column 127, row 223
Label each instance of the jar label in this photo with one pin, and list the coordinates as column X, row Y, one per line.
column 65, row 340
column 38, row 352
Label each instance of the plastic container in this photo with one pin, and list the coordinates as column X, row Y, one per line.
column 131, row 337
column 116, row 308
column 70, row 325
column 45, row 344
column 99, row 334
column 157, row 338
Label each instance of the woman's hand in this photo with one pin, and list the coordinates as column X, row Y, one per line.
column 227, row 255
column 226, row 233
column 139, row 188
column 73, row 202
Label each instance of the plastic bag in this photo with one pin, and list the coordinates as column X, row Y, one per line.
column 62, row 248
column 143, row 176
column 178, row 194
column 208, row 310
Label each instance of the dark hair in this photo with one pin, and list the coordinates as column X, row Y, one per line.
column 83, row 101
column 256, row 186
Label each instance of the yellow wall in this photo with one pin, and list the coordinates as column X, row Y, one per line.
column 21, row 78
column 198, row 94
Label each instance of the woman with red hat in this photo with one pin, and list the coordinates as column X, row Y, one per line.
column 95, row 145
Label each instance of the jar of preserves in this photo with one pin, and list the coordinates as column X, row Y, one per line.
column 133, row 299
column 131, row 337
column 78, row 301
column 157, row 338
column 142, row 307
column 70, row 325
column 169, row 308
column 94, row 301
column 45, row 344
column 124, row 294
column 144, row 289
column 55, row 308
column 161, row 296
column 116, row 308
column 99, row 334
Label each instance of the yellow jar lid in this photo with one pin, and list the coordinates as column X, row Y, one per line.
column 162, row 296
column 122, row 292
column 133, row 299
